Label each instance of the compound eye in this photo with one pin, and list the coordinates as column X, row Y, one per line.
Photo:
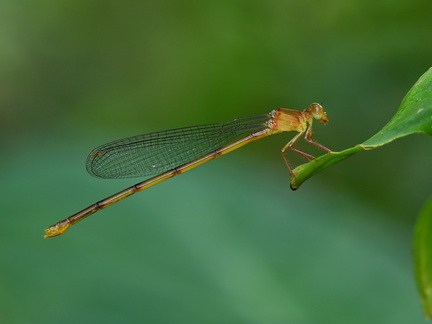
column 317, row 111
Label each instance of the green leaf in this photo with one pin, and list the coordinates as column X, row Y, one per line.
column 413, row 116
column 423, row 256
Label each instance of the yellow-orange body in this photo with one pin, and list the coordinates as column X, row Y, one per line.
column 280, row 120
column 287, row 120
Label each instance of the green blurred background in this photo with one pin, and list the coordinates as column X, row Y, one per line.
column 228, row 242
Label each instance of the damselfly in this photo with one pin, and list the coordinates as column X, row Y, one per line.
column 166, row 154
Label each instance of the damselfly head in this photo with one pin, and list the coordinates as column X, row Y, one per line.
column 318, row 113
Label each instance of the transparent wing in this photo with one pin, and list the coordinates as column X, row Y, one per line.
column 154, row 153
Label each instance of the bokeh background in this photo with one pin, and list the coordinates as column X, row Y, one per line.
column 228, row 242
